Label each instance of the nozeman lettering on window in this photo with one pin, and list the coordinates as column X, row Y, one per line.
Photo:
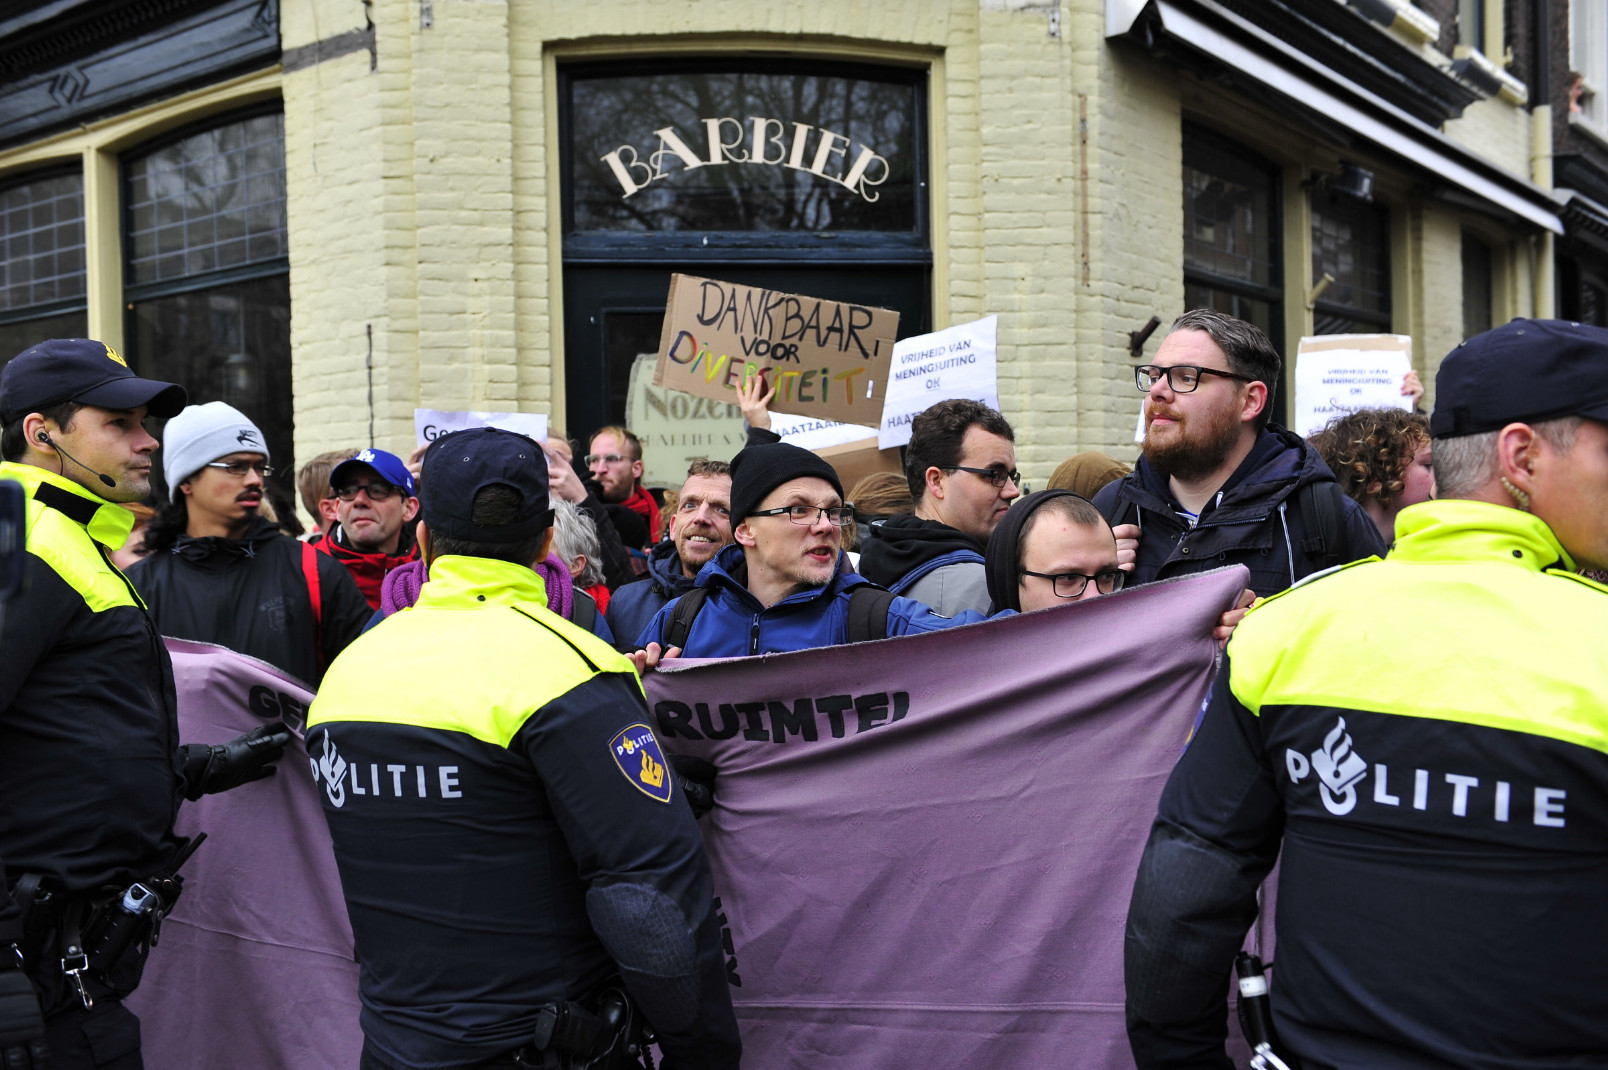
column 751, row 143
column 826, row 359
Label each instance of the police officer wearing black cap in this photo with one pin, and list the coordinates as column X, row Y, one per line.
column 91, row 770
column 526, row 884
column 1426, row 739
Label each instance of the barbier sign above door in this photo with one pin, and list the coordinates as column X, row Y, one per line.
column 758, row 141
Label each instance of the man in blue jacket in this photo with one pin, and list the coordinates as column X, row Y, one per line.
column 699, row 528
column 785, row 585
column 1215, row 484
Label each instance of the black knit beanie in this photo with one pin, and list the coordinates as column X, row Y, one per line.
column 1002, row 568
column 758, row 470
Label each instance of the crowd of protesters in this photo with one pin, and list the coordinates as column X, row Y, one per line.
column 765, row 552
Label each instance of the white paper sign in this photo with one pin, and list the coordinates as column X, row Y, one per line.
column 431, row 424
column 1341, row 373
column 956, row 362
column 811, row 434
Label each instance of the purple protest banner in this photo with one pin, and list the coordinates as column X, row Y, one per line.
column 256, row 968
column 924, row 847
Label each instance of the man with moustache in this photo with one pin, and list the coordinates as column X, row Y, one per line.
column 1216, row 484
column 700, row 526
column 786, row 584
column 218, row 572
column 374, row 508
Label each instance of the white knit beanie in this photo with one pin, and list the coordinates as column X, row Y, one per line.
column 201, row 434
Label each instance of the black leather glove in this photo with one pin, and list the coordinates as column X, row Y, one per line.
column 22, row 1027
column 697, row 782
column 211, row 769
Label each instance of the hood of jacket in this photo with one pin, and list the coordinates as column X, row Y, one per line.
column 899, row 545
column 1279, row 464
column 216, row 552
column 664, row 570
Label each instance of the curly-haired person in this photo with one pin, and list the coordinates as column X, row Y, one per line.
column 1382, row 459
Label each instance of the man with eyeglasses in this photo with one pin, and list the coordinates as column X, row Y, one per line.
column 218, row 572
column 1216, row 484
column 786, row 585
column 615, row 462
column 375, row 507
column 961, row 467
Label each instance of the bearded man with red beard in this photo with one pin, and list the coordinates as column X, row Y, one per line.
column 1216, row 483
column 216, row 571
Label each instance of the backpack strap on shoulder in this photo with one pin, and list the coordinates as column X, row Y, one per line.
column 1321, row 508
column 583, row 612
column 681, row 617
column 309, row 561
column 868, row 613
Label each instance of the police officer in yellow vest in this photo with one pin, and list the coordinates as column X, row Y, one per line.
column 91, row 770
column 1427, row 738
column 515, row 855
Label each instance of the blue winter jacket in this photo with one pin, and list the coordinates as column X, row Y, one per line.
column 631, row 608
column 732, row 623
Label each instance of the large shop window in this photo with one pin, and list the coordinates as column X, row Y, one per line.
column 1231, row 235
column 1351, row 242
column 797, row 176
column 42, row 270
column 206, row 278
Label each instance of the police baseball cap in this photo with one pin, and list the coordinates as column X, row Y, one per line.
column 458, row 466
column 1526, row 371
column 81, row 370
column 388, row 466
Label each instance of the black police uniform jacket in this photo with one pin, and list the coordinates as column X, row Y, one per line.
column 251, row 595
column 507, row 830
column 90, row 777
column 1426, row 738
column 1254, row 520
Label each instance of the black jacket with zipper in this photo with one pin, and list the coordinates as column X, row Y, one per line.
column 1255, row 520
column 250, row 595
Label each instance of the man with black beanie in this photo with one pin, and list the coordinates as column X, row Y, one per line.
column 785, row 585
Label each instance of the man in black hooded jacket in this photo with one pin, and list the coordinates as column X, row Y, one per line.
column 1215, row 484
column 961, row 466
column 217, row 572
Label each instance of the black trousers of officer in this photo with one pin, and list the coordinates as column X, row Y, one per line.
column 103, row 1037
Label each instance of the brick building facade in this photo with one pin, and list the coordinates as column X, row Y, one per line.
column 330, row 212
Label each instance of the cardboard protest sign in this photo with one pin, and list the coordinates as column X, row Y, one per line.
column 827, row 359
column 677, row 429
column 1340, row 373
column 431, row 424
column 853, row 461
column 956, row 362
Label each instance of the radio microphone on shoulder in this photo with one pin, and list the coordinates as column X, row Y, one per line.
column 44, row 436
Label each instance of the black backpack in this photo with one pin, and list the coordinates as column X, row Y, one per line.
column 1322, row 505
column 868, row 615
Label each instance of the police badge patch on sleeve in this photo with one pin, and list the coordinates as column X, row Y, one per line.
column 637, row 753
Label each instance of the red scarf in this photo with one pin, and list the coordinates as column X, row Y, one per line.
column 642, row 503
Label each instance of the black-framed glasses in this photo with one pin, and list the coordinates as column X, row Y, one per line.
column 239, row 469
column 607, row 458
column 839, row 516
column 1072, row 584
column 1181, row 378
column 997, row 476
column 377, row 492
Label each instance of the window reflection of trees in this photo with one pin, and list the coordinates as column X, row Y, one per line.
column 212, row 201
column 609, row 112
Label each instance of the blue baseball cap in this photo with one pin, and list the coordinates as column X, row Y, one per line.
column 388, row 466
column 81, row 370
column 458, row 466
